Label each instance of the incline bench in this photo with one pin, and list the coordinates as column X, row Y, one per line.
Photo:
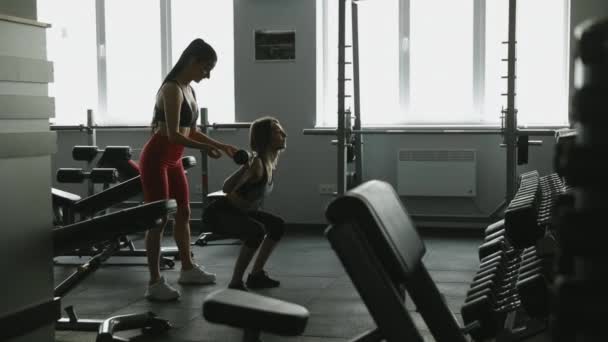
column 106, row 230
column 68, row 206
column 382, row 253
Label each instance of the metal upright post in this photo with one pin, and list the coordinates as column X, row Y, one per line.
column 511, row 111
column 204, row 164
column 91, row 141
column 341, row 169
column 358, row 141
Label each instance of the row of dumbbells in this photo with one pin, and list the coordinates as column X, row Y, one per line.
column 492, row 294
column 507, row 279
column 536, row 265
column 529, row 213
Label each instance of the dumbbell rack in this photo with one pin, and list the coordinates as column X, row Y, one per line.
column 510, row 295
column 580, row 296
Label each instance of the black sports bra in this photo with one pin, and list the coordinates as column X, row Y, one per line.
column 187, row 117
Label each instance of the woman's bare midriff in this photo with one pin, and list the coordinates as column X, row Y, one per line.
column 162, row 129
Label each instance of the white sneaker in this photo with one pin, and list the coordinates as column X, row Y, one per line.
column 161, row 291
column 196, row 275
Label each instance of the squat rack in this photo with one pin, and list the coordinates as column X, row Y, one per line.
column 514, row 138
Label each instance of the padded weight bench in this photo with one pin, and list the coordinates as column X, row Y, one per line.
column 106, row 229
column 382, row 252
column 210, row 234
column 67, row 206
column 254, row 313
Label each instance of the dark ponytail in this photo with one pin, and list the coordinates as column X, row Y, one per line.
column 197, row 49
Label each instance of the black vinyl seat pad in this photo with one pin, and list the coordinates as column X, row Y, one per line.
column 377, row 210
column 111, row 226
column 253, row 311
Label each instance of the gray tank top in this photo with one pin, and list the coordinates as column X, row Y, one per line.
column 256, row 192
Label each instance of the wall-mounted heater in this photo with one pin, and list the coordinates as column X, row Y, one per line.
column 437, row 172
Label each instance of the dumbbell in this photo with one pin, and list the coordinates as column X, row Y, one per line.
column 241, row 157
column 494, row 281
column 497, row 263
column 96, row 175
column 524, row 200
column 498, row 225
column 503, row 267
column 495, row 235
column 88, row 153
column 499, row 297
column 498, row 270
column 490, row 247
column 523, row 230
column 533, row 292
column 499, row 292
column 489, row 317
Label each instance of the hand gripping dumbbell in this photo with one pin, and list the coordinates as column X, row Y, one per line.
column 241, row 157
column 96, row 175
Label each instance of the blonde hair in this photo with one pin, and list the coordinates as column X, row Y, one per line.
column 260, row 139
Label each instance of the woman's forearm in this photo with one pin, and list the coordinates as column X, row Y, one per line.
column 178, row 138
column 204, row 138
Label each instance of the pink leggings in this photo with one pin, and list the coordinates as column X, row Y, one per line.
column 162, row 172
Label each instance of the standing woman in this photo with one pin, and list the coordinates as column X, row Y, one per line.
column 162, row 174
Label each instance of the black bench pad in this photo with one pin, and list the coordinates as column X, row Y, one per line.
column 110, row 226
column 252, row 311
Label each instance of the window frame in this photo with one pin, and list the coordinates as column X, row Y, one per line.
column 101, row 57
column 479, row 70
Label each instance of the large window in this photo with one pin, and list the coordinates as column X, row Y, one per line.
column 108, row 55
column 212, row 21
column 440, row 62
column 71, row 45
column 133, row 61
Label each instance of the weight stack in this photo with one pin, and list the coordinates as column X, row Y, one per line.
column 580, row 295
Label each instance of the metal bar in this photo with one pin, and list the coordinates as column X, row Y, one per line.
column 102, row 72
column 479, row 54
column 333, row 132
column 165, row 37
column 204, row 164
column 92, row 141
column 358, row 139
column 341, row 157
column 237, row 125
column 96, row 127
column 230, row 125
column 404, row 54
column 511, row 114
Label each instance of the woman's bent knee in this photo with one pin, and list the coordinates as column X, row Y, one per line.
column 276, row 230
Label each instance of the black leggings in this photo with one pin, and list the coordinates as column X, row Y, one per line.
column 250, row 227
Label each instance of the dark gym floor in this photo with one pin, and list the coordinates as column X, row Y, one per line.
column 310, row 274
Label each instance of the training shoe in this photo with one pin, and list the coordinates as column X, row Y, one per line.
column 197, row 275
column 240, row 286
column 161, row 291
column 261, row 280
